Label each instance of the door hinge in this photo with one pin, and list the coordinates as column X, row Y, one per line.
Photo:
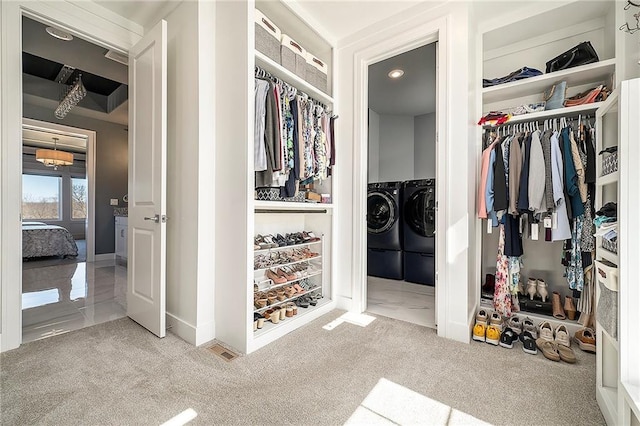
column 163, row 218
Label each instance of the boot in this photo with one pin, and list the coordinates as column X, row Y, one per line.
column 489, row 284
column 556, row 302
column 541, row 288
column 531, row 288
column 570, row 307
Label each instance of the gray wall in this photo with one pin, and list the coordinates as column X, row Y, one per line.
column 425, row 146
column 396, row 148
column 374, row 146
column 111, row 168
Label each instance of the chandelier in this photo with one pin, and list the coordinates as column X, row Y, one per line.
column 75, row 93
column 53, row 157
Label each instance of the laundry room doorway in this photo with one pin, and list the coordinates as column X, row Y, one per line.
column 401, row 190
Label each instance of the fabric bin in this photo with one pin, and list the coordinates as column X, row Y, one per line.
column 316, row 73
column 611, row 246
column 607, row 309
column 268, row 193
column 610, row 163
column 293, row 56
column 268, row 36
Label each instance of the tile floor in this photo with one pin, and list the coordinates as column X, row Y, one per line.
column 402, row 300
column 58, row 299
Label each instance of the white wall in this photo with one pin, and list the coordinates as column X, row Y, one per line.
column 190, row 235
column 374, row 146
column 425, row 146
column 396, row 148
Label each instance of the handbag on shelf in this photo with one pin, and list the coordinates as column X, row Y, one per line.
column 555, row 95
column 582, row 54
column 596, row 94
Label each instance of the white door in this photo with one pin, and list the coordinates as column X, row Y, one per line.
column 147, row 180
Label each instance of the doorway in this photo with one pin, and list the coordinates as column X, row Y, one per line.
column 401, row 191
column 75, row 108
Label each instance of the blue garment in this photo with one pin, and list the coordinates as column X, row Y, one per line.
column 523, row 72
column 523, row 197
column 491, row 214
column 571, row 177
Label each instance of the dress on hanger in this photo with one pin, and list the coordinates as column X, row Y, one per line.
column 536, row 175
column 563, row 230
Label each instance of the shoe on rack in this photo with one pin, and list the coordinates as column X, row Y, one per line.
column 493, row 335
column 570, row 307
column 479, row 332
column 549, row 349
column 527, row 325
column 514, row 324
column 562, row 336
column 586, row 339
column 546, row 331
column 275, row 277
column 528, row 343
column 532, row 287
column 541, row 288
column 496, row 319
column 556, row 304
column 481, row 317
column 507, row 338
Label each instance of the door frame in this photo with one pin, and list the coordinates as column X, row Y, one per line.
column 431, row 32
column 88, row 21
column 90, row 224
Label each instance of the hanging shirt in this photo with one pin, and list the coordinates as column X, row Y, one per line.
column 489, row 195
column 545, row 140
column 259, row 150
column 536, row 175
column 579, row 165
column 515, row 169
column 523, row 195
column 500, row 202
column 482, row 189
column 563, row 230
column 571, row 176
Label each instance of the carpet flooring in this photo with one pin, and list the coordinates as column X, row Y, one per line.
column 117, row 373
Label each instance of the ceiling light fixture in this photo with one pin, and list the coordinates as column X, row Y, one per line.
column 59, row 34
column 397, row 73
column 75, row 93
column 53, row 157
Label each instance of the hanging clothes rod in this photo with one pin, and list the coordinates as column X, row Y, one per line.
column 264, row 74
column 557, row 119
column 290, row 211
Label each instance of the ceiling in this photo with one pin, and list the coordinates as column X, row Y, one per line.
column 42, row 138
column 412, row 94
column 44, row 80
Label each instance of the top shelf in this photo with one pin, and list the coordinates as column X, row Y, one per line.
column 289, row 205
column 590, row 73
column 279, row 71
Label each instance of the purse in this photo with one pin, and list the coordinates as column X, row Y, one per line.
column 588, row 97
column 582, row 54
column 554, row 96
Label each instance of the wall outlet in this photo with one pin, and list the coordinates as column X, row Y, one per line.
column 114, row 201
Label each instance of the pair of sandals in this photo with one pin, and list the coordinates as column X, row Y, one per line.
column 509, row 336
column 311, row 299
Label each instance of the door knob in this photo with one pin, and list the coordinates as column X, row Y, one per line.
column 155, row 218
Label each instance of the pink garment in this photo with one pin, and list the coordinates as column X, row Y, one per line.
column 502, row 293
column 482, row 200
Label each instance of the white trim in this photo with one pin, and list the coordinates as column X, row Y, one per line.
column 433, row 31
column 104, row 256
column 182, row 329
column 90, row 135
column 90, row 25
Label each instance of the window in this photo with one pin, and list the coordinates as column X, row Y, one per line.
column 41, row 197
column 79, row 198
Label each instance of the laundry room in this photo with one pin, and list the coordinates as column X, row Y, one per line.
column 401, row 193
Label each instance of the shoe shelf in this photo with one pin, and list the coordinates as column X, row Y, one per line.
column 591, row 73
column 279, row 265
column 290, row 205
column 607, row 255
column 287, row 322
column 313, row 273
column 289, row 299
column 293, row 246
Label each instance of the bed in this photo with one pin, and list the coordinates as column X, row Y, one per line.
column 40, row 239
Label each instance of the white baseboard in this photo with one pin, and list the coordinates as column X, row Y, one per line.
column 205, row 333
column 181, row 328
column 344, row 303
column 104, row 256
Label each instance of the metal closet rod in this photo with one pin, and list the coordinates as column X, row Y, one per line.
column 540, row 122
column 290, row 211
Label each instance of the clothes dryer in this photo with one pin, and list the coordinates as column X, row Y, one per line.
column 384, row 215
column 419, row 224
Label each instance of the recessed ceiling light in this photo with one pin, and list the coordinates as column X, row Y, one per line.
column 397, row 73
column 59, row 34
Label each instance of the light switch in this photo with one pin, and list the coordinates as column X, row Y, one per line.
column 114, row 201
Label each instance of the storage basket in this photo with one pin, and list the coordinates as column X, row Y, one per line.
column 316, row 73
column 268, row 36
column 610, row 163
column 607, row 309
column 273, row 194
column 293, row 56
column 611, row 246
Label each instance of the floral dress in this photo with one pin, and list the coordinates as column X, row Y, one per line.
column 502, row 292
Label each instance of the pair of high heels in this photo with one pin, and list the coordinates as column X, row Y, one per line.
column 537, row 287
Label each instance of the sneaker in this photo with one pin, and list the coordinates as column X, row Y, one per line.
column 586, row 339
column 493, row 335
column 528, row 343
column 527, row 325
column 514, row 324
column 479, row 331
column 481, row 317
column 562, row 336
column 546, row 332
column 496, row 319
column 507, row 338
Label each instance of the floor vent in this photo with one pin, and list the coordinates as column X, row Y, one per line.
column 223, row 352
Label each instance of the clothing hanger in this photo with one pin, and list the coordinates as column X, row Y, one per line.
column 631, row 3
